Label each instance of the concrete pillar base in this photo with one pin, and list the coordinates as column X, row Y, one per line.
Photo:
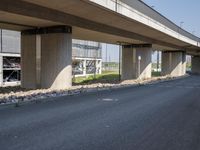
column 173, row 63
column 196, row 65
column 136, row 62
column 47, row 58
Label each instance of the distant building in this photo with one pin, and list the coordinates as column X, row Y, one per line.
column 9, row 56
column 86, row 56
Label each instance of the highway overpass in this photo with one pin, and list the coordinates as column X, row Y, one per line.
column 49, row 26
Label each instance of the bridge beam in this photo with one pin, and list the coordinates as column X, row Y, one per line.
column 47, row 58
column 173, row 63
column 196, row 64
column 136, row 61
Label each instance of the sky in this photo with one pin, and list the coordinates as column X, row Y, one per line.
column 177, row 11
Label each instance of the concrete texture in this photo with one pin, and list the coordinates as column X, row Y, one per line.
column 128, row 64
column 173, row 63
column 196, row 64
column 136, row 63
column 1, row 70
column 184, row 63
column 56, row 60
column 162, row 116
column 144, row 66
column 28, row 61
column 47, row 58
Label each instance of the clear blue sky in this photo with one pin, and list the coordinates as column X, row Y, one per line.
column 177, row 11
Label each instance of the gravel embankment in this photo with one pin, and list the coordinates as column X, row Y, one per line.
column 10, row 95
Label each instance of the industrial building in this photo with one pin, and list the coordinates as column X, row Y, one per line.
column 9, row 57
column 86, row 56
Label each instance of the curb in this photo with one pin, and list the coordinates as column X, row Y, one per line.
column 20, row 100
column 168, row 80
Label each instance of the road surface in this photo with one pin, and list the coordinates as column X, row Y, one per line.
column 163, row 116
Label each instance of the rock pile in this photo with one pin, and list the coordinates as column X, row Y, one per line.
column 10, row 95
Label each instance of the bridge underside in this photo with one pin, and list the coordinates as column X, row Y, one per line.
column 101, row 34
column 86, row 21
column 89, row 21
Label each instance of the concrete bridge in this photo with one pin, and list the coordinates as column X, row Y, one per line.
column 49, row 26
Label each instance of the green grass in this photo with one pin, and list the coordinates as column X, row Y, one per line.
column 105, row 77
column 156, row 74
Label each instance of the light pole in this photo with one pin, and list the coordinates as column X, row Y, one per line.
column 181, row 24
column 139, row 66
column 116, row 3
column 158, row 60
column 152, row 6
column 120, row 49
column 106, row 57
column 179, row 28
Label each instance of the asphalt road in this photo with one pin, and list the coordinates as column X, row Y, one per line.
column 164, row 116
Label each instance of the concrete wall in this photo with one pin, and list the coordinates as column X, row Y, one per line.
column 196, row 64
column 173, row 63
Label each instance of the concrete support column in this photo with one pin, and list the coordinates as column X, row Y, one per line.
column 144, row 62
column 173, row 63
column 47, row 58
column 184, row 63
column 196, row 64
column 128, row 63
column 1, row 70
column 136, row 61
column 29, row 44
column 56, row 60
